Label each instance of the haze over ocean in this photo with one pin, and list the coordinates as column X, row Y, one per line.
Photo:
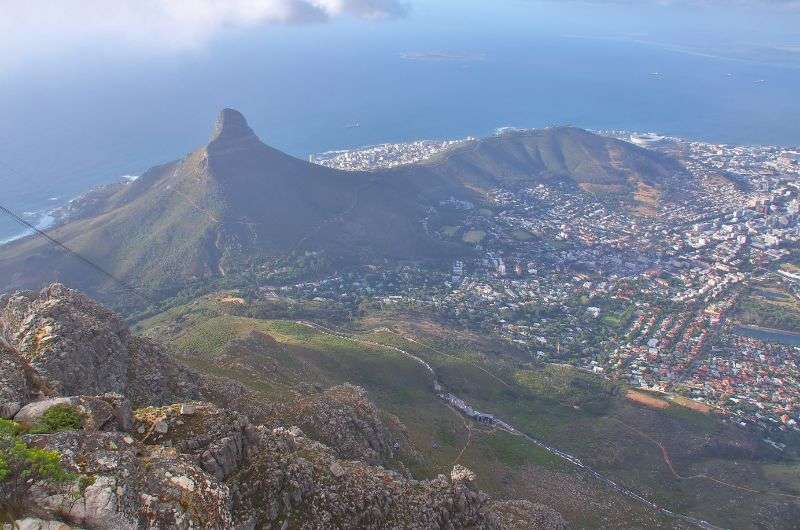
column 93, row 114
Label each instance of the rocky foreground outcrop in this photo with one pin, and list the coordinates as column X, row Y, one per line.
column 344, row 418
column 193, row 464
column 77, row 346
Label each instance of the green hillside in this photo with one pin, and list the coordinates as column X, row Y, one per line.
column 229, row 207
column 523, row 158
column 236, row 209
column 718, row 472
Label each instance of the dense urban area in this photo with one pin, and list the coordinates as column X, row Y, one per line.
column 695, row 294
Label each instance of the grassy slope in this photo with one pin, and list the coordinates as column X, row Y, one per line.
column 518, row 159
column 573, row 411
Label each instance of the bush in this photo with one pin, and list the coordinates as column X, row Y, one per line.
column 23, row 467
column 59, row 418
column 9, row 428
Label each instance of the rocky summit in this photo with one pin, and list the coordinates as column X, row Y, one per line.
column 119, row 438
column 75, row 345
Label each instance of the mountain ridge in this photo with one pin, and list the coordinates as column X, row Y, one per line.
column 521, row 158
column 238, row 206
column 224, row 206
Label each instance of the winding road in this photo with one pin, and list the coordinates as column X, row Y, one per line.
column 439, row 391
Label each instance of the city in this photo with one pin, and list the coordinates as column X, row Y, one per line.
column 652, row 299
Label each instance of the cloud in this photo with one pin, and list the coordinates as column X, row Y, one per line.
column 175, row 24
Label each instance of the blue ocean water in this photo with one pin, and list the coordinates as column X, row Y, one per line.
column 92, row 115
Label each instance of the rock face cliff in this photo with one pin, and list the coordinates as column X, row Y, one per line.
column 77, row 346
column 172, row 461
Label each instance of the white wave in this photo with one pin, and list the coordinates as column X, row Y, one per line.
column 44, row 221
column 507, row 129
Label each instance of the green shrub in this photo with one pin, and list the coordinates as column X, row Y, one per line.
column 59, row 418
column 4, row 469
column 9, row 428
column 84, row 481
column 22, row 467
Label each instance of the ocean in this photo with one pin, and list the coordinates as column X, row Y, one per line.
column 92, row 116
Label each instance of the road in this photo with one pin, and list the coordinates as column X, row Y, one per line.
column 439, row 391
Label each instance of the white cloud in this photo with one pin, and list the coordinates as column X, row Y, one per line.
column 176, row 24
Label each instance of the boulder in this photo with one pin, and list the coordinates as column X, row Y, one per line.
column 127, row 486
column 32, row 412
column 109, row 412
column 462, row 474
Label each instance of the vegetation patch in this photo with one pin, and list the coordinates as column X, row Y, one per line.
column 521, row 235
column 592, row 187
column 774, row 310
column 58, row 418
column 569, row 386
column 691, row 404
column 450, row 230
column 22, row 468
column 647, row 199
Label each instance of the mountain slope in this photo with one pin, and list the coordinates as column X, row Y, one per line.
column 223, row 207
column 523, row 158
column 189, row 464
column 713, row 469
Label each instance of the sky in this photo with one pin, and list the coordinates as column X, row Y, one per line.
column 32, row 31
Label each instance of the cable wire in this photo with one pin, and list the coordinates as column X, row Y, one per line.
column 86, row 261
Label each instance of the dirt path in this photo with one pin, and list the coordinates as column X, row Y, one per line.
column 431, row 348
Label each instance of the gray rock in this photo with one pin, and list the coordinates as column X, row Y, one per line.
column 344, row 418
column 337, row 469
column 82, row 348
column 9, row 409
column 462, row 474
column 109, row 412
column 32, row 523
column 129, row 487
column 14, row 385
column 32, row 412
